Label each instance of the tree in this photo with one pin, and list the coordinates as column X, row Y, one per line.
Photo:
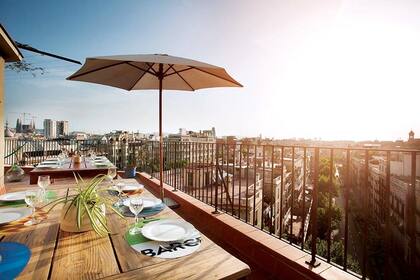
column 323, row 220
column 337, row 253
column 23, row 66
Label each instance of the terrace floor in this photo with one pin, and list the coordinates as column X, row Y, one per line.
column 268, row 257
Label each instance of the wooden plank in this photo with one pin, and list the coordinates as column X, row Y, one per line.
column 210, row 263
column 83, row 256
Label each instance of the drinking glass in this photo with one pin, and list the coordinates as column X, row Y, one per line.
column 43, row 182
column 119, row 188
column 112, row 172
column 33, row 198
column 60, row 159
column 136, row 205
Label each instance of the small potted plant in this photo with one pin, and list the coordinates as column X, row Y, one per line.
column 130, row 170
column 85, row 210
column 15, row 173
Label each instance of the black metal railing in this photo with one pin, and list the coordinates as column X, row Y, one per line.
column 355, row 208
column 335, row 203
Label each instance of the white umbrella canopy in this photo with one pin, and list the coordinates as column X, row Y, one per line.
column 153, row 71
column 137, row 72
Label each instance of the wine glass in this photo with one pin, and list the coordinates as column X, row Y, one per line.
column 92, row 155
column 43, row 182
column 135, row 205
column 33, row 198
column 112, row 172
column 119, row 188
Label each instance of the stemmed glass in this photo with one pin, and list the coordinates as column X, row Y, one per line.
column 119, row 188
column 92, row 155
column 60, row 159
column 43, row 182
column 112, row 172
column 136, row 206
column 33, row 198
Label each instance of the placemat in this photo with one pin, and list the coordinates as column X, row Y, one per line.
column 14, row 257
column 164, row 250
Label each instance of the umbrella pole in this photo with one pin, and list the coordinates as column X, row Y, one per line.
column 160, row 133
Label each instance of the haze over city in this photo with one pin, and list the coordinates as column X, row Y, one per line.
column 325, row 69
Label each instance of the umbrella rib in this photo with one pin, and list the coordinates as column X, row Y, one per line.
column 141, row 76
column 182, row 78
column 135, row 66
column 97, row 69
column 183, row 70
column 170, row 66
column 151, row 67
column 233, row 82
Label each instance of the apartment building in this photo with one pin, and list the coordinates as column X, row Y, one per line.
column 50, row 128
column 62, row 128
column 404, row 214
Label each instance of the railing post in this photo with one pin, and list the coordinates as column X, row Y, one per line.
column 217, row 181
column 314, row 215
column 412, row 228
column 346, row 207
column 175, row 167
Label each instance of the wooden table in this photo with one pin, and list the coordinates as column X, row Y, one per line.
column 62, row 255
column 85, row 169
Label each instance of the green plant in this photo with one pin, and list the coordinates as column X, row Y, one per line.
column 88, row 203
column 132, row 160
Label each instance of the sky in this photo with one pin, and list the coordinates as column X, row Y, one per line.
column 329, row 69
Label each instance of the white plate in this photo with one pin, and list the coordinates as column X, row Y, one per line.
column 13, row 196
column 147, row 202
column 132, row 188
column 49, row 163
column 8, row 215
column 167, row 230
column 48, row 166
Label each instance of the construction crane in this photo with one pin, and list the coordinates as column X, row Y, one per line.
column 24, row 115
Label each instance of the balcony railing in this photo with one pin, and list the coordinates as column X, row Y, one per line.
column 352, row 207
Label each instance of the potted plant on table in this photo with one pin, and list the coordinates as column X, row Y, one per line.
column 130, row 170
column 15, row 173
column 86, row 209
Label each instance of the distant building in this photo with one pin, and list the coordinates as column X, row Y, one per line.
column 412, row 142
column 120, row 135
column 79, row 135
column 203, row 136
column 403, row 211
column 18, row 126
column 25, row 128
column 8, row 132
column 50, row 128
column 62, row 128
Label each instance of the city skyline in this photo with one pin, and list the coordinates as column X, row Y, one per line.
column 40, row 127
column 297, row 82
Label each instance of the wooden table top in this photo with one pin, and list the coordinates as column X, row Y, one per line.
column 62, row 255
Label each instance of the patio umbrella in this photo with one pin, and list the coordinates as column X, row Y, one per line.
column 154, row 71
